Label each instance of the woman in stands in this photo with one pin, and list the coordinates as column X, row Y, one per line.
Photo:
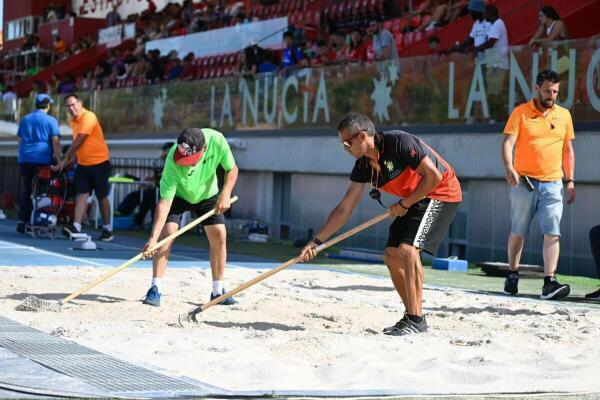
column 357, row 50
column 551, row 28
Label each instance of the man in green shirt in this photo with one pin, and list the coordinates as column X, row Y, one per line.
column 189, row 183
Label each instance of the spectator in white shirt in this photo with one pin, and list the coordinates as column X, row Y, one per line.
column 9, row 98
column 496, row 60
column 478, row 34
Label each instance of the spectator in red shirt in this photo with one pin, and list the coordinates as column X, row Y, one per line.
column 189, row 69
column 357, row 50
column 324, row 55
column 151, row 7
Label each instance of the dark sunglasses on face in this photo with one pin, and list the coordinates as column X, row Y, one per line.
column 346, row 144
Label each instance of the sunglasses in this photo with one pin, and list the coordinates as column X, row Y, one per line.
column 346, row 144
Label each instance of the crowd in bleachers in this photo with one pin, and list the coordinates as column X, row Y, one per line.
column 343, row 31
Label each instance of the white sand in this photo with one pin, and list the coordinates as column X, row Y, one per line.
column 319, row 330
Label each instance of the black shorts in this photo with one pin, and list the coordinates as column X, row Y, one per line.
column 93, row 177
column 179, row 206
column 424, row 225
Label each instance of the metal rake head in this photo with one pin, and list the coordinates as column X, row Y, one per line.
column 189, row 318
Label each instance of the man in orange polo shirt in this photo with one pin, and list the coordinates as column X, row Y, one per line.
column 93, row 165
column 540, row 132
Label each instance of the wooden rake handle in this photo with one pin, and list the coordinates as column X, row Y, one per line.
column 283, row 266
column 139, row 256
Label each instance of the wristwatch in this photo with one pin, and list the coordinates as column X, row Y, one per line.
column 569, row 180
column 316, row 241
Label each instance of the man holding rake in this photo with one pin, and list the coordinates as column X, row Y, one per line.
column 403, row 165
column 189, row 183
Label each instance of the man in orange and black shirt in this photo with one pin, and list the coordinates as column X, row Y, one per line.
column 540, row 132
column 403, row 165
column 93, row 165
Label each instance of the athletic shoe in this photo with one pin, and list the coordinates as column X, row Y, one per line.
column 152, row 297
column 21, row 227
column 391, row 328
column 406, row 327
column 69, row 230
column 227, row 302
column 511, row 284
column 594, row 295
column 106, row 235
column 554, row 291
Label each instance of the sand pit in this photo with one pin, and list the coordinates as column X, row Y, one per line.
column 318, row 330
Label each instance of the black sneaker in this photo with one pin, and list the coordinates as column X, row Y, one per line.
column 397, row 324
column 555, row 291
column 70, row 230
column 511, row 284
column 594, row 295
column 406, row 327
column 106, row 235
column 21, row 227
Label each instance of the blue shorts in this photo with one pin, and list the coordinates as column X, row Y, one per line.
column 546, row 201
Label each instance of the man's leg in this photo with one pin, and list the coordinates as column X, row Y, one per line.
column 25, row 206
column 515, row 250
column 551, row 251
column 392, row 259
column 413, row 279
column 217, row 237
column 160, row 259
column 159, row 265
column 549, row 214
column 80, row 207
column 105, row 209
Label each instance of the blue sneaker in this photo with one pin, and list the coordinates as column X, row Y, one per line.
column 152, row 297
column 227, row 302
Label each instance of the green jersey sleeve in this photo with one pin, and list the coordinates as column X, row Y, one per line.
column 169, row 179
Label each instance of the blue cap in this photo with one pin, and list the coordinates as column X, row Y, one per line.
column 476, row 5
column 43, row 98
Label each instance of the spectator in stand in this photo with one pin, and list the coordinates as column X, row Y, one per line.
column 384, row 45
column 357, row 50
column 175, row 70
column 434, row 43
column 254, row 56
column 244, row 69
column 59, row 45
column 151, row 7
column 101, row 74
column 339, row 46
column 51, row 14
column 54, row 84
column 496, row 60
column 325, row 55
column 155, row 72
column 438, row 10
column 178, row 29
column 9, row 98
column 33, row 69
column 39, row 87
column 187, row 12
column 67, row 85
column 551, row 28
column 87, row 81
column 39, row 145
column 189, row 69
column 478, row 34
column 113, row 17
column 29, row 43
column 291, row 55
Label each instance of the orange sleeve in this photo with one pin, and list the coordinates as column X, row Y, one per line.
column 570, row 130
column 514, row 123
column 87, row 124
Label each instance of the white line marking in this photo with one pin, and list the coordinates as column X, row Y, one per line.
column 81, row 260
column 171, row 255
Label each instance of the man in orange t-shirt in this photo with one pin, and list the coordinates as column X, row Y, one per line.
column 540, row 132
column 93, row 165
